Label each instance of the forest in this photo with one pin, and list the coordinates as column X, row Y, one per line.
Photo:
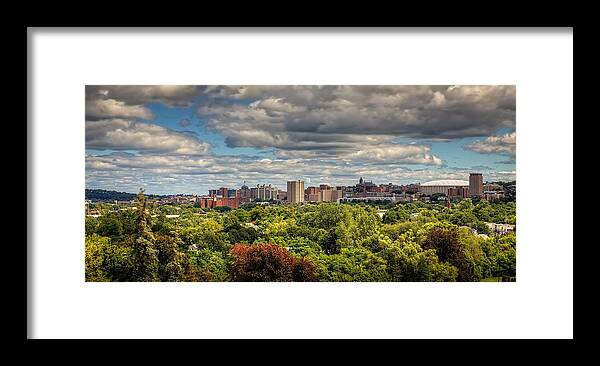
column 328, row 242
column 108, row 196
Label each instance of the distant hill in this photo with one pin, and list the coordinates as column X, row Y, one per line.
column 107, row 196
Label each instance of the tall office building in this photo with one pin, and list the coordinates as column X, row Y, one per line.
column 295, row 191
column 475, row 184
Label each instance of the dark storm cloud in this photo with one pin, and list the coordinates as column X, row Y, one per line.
column 173, row 95
column 129, row 101
column 289, row 117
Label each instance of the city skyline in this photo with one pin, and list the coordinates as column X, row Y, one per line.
column 189, row 139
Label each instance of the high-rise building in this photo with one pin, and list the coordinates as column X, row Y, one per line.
column 325, row 195
column 336, row 195
column 266, row 192
column 295, row 191
column 476, row 184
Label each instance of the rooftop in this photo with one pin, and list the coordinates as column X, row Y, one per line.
column 447, row 182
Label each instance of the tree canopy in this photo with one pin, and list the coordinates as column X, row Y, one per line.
column 413, row 242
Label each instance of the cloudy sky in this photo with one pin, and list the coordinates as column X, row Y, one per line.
column 188, row 139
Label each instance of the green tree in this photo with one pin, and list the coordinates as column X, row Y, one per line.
column 481, row 228
column 210, row 266
column 105, row 261
column 256, row 213
column 465, row 205
column 222, row 208
column 144, row 251
column 484, row 211
column 462, row 218
column 209, row 233
column 394, row 231
column 162, row 225
column 173, row 264
column 351, row 264
column 500, row 256
column 444, row 238
column 407, row 261
column 300, row 246
column 242, row 215
column 358, row 226
column 110, row 225
column 395, row 215
column 91, row 223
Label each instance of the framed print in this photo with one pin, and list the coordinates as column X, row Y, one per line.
column 330, row 184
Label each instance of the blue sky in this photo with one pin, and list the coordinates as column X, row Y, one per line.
column 188, row 139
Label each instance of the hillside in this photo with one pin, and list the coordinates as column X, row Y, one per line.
column 106, row 196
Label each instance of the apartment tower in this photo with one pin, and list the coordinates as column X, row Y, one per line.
column 295, row 191
column 476, row 185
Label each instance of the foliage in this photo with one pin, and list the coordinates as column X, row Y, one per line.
column 444, row 239
column 209, row 233
column 209, row 265
column 324, row 241
column 173, row 264
column 111, row 196
column 242, row 215
column 91, row 224
column 407, row 261
column 500, row 256
column 110, row 225
column 222, row 209
column 268, row 262
column 105, row 261
column 144, row 251
column 351, row 264
column 481, row 228
column 395, row 215
column 162, row 225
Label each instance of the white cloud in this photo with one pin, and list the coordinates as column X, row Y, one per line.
column 322, row 134
column 120, row 134
column 503, row 145
column 129, row 101
column 276, row 105
column 172, row 95
column 109, row 108
column 197, row 174
column 368, row 152
column 396, row 154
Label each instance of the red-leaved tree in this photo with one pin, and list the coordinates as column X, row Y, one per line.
column 268, row 262
column 445, row 240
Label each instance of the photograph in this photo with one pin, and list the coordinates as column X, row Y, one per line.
column 300, row 183
column 296, row 183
